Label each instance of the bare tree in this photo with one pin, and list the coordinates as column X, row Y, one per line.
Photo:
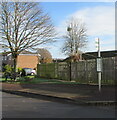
column 24, row 26
column 75, row 38
column 45, row 55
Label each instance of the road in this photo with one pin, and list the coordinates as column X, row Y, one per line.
column 14, row 106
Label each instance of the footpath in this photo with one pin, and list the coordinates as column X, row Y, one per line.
column 72, row 93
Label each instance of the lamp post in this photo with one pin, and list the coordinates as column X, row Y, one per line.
column 69, row 29
column 99, row 63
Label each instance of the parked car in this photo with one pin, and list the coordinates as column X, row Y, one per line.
column 28, row 71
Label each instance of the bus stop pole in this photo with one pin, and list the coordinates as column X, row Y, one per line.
column 99, row 66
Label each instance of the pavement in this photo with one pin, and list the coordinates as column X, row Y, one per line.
column 68, row 93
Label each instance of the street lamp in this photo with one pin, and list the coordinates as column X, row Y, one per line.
column 69, row 29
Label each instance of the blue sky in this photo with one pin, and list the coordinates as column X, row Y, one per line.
column 99, row 18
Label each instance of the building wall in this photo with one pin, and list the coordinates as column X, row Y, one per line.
column 27, row 61
column 1, row 58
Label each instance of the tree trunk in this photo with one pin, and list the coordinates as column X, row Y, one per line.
column 14, row 66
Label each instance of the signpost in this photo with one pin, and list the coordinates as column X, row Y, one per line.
column 99, row 63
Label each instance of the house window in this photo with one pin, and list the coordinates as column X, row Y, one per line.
column 5, row 57
column 9, row 58
column 2, row 58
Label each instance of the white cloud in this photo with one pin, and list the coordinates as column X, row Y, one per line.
column 61, row 28
column 99, row 20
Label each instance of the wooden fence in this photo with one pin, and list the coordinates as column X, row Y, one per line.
column 82, row 71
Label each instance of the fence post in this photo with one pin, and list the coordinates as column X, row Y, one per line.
column 86, row 70
column 70, row 71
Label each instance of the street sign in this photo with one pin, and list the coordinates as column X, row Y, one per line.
column 99, row 65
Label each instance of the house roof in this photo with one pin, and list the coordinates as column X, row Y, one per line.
column 27, row 52
column 73, row 57
column 58, row 60
column 104, row 54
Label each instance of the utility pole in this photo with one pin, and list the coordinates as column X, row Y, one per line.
column 70, row 69
column 99, row 63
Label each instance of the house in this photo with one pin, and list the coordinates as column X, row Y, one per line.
column 104, row 54
column 74, row 58
column 91, row 55
column 26, row 59
column 57, row 60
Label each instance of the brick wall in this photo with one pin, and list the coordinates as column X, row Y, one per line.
column 27, row 61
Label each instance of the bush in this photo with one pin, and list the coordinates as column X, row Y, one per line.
column 23, row 73
column 19, row 70
column 8, row 68
column 8, row 71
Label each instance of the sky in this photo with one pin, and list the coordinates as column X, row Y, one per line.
column 99, row 18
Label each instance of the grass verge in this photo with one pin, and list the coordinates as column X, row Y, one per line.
column 34, row 80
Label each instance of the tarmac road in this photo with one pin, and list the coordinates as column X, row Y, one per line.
column 14, row 106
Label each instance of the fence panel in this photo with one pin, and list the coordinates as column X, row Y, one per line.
column 82, row 71
column 91, row 71
column 63, row 71
column 108, row 73
column 78, row 71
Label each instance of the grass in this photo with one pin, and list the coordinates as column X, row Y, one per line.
column 34, row 80
column 42, row 80
column 3, row 79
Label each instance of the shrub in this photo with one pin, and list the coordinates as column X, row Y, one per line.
column 8, row 70
column 23, row 73
column 19, row 70
column 9, row 73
